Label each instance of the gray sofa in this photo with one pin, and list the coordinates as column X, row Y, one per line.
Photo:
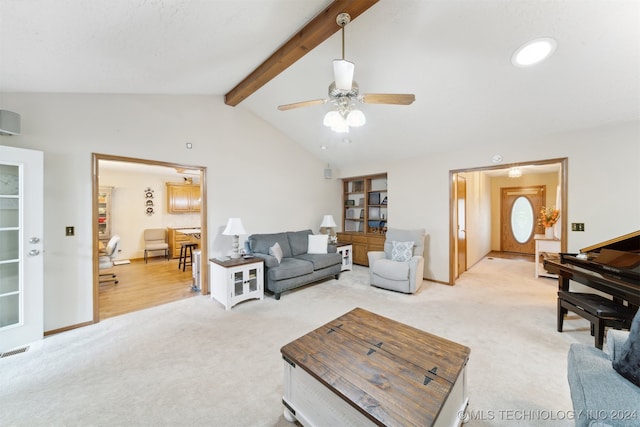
column 297, row 267
column 600, row 395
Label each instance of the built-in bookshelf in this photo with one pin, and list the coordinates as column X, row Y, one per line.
column 365, row 204
column 364, row 222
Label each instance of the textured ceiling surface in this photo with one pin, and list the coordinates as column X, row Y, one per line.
column 453, row 55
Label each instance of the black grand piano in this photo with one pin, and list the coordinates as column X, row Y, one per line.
column 611, row 267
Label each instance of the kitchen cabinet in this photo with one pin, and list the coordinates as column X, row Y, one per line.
column 183, row 198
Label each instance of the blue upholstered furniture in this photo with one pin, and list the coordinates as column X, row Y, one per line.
column 601, row 396
column 297, row 267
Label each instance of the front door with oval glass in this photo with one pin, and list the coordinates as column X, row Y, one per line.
column 519, row 218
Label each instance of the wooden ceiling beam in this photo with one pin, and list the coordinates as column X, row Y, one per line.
column 311, row 35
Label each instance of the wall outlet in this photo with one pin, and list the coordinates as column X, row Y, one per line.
column 577, row 226
column 69, row 231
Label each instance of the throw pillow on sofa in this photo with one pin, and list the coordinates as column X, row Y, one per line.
column 276, row 252
column 627, row 363
column 318, row 243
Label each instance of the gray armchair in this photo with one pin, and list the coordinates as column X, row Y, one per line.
column 400, row 267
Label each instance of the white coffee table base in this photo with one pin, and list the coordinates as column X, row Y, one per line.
column 309, row 402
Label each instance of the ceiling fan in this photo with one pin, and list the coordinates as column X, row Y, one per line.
column 344, row 93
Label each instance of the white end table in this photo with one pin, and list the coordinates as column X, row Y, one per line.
column 236, row 280
column 346, row 251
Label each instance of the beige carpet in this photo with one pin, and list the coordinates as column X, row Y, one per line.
column 192, row 363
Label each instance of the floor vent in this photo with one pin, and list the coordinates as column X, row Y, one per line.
column 12, row 352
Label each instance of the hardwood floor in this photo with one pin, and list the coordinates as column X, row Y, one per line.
column 143, row 285
column 511, row 255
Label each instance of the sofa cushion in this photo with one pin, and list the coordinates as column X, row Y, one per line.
column 262, row 242
column 401, row 251
column 289, row 268
column 321, row 261
column 391, row 270
column 318, row 243
column 276, row 252
column 627, row 361
column 298, row 241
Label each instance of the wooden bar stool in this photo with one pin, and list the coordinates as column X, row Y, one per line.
column 186, row 251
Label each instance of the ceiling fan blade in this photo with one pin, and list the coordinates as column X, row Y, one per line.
column 389, row 98
column 301, row 104
column 343, row 73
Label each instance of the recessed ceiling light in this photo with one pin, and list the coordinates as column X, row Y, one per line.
column 533, row 52
column 323, row 147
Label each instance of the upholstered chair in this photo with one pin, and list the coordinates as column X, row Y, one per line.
column 400, row 267
column 155, row 239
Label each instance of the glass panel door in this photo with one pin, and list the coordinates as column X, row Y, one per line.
column 10, row 289
column 253, row 280
column 21, row 232
column 238, row 283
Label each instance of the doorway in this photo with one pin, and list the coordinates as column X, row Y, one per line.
column 142, row 164
column 482, row 212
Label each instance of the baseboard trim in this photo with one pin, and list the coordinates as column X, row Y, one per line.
column 68, row 328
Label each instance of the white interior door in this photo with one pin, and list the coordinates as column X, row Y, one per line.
column 21, row 246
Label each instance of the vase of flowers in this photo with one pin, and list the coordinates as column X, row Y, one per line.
column 548, row 218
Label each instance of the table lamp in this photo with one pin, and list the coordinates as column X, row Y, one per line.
column 235, row 229
column 328, row 223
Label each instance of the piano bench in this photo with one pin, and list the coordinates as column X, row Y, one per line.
column 598, row 310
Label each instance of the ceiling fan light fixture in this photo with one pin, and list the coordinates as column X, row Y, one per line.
column 343, row 73
column 340, row 126
column 356, row 118
column 332, row 118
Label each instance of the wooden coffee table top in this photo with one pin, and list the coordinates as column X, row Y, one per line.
column 394, row 374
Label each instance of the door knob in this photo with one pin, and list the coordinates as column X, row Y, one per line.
column 34, row 240
column 34, row 252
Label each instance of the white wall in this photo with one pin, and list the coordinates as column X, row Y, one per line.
column 253, row 172
column 603, row 185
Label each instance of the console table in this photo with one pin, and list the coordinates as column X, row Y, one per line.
column 363, row 369
column 544, row 244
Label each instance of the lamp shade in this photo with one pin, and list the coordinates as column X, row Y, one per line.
column 234, row 227
column 327, row 221
column 343, row 73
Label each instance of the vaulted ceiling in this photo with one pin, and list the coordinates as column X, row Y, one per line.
column 453, row 55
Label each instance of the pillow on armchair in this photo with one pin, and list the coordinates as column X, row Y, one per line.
column 401, row 251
